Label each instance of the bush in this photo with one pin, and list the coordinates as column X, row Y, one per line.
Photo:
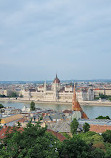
column 107, row 136
column 74, row 126
column 103, row 117
column 32, row 106
column 1, row 106
column 73, row 148
column 86, row 127
column 97, row 153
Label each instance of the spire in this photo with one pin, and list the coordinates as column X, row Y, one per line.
column 76, row 106
column 56, row 80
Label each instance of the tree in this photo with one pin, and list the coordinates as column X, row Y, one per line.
column 97, row 153
column 102, row 96
column 103, row 117
column 91, row 138
column 32, row 106
column 34, row 142
column 1, row 106
column 74, row 148
column 13, row 95
column 2, row 96
column 74, row 125
column 107, row 136
column 107, row 117
column 66, row 135
column 108, row 153
column 18, row 124
column 21, row 96
column 86, row 127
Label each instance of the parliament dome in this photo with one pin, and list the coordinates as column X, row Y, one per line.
column 56, row 80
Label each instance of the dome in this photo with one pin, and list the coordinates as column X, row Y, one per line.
column 56, row 80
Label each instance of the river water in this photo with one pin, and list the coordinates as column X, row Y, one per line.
column 91, row 111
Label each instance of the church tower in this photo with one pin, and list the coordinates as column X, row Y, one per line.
column 56, row 88
column 76, row 106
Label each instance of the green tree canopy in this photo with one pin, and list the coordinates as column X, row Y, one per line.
column 108, row 153
column 18, row 124
column 107, row 136
column 2, row 96
column 33, row 142
column 32, row 106
column 74, row 148
column 86, row 127
column 1, row 106
column 97, row 153
column 74, row 125
column 91, row 138
column 13, row 95
column 21, row 96
column 103, row 117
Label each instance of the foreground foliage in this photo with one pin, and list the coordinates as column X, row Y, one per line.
column 107, row 136
column 73, row 147
column 32, row 106
column 35, row 142
column 74, row 126
column 86, row 127
column 1, row 106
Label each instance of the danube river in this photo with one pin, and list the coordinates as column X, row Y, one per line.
column 91, row 111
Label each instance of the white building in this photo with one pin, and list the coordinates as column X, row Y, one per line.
column 56, row 92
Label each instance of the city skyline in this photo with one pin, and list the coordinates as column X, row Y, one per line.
column 41, row 38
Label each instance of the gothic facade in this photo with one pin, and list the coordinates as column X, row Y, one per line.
column 56, row 92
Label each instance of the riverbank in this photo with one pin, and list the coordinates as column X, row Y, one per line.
column 83, row 103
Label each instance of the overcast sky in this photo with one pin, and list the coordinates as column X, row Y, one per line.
column 39, row 38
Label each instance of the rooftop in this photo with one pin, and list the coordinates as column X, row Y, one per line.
column 95, row 121
column 99, row 128
column 11, row 118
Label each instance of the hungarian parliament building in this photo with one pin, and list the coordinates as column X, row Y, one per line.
column 57, row 92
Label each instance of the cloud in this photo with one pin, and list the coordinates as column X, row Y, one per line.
column 55, row 35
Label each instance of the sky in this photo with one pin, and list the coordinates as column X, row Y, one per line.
column 39, row 38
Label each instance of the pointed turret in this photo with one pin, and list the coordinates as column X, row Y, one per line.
column 76, row 106
column 56, row 80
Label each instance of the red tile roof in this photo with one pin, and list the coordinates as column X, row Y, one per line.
column 97, row 89
column 99, row 128
column 67, row 111
column 10, row 129
column 58, row 135
column 22, row 120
